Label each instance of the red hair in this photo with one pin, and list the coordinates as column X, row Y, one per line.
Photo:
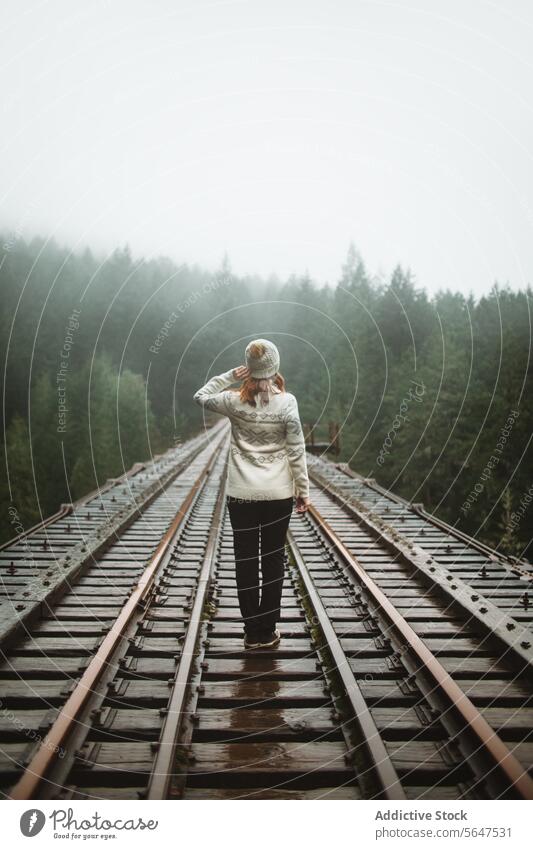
column 250, row 387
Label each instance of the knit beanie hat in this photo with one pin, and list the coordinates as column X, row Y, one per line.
column 262, row 358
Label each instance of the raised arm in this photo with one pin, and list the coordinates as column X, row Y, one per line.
column 296, row 449
column 211, row 396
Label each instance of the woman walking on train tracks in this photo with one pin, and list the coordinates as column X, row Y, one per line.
column 266, row 471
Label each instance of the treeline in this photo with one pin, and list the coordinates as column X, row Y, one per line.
column 102, row 359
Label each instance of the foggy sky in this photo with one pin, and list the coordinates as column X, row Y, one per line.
column 275, row 130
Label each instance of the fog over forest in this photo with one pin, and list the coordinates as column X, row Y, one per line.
column 102, row 357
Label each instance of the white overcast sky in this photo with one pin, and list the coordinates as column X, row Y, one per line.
column 275, row 130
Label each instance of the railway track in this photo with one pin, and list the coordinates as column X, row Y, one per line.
column 38, row 564
column 396, row 677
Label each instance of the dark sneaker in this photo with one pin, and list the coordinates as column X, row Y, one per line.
column 251, row 641
column 270, row 641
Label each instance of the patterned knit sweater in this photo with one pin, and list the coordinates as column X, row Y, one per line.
column 267, row 449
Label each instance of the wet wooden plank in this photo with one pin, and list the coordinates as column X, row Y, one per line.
column 156, row 646
column 488, row 693
column 71, row 628
column 41, row 667
column 235, row 645
column 468, row 667
column 524, row 753
column 418, row 757
column 215, row 758
column 149, row 692
column 452, row 646
column 439, row 792
column 210, row 793
column 128, row 724
column 151, row 667
column 510, row 723
column 170, row 628
column 132, row 792
column 264, row 693
column 13, row 757
column 223, row 628
column 17, row 724
column 81, row 613
column 108, row 580
column 103, row 594
column 99, row 606
column 127, row 757
column 264, row 665
column 230, row 601
column 288, row 614
column 370, row 668
column 501, row 691
column 57, row 646
column 281, row 724
column 397, row 721
column 445, row 628
column 18, row 691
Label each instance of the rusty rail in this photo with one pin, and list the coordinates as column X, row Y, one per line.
column 161, row 775
column 52, row 744
column 486, row 740
column 63, row 511
column 67, row 508
column 421, row 511
column 513, row 636
column 382, row 766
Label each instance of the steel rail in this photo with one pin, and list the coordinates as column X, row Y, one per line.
column 63, row 511
column 512, row 634
column 161, row 775
column 67, row 508
column 487, row 740
column 421, row 511
column 53, row 742
column 382, row 766
column 95, row 541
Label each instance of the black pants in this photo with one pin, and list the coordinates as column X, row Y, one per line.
column 257, row 523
